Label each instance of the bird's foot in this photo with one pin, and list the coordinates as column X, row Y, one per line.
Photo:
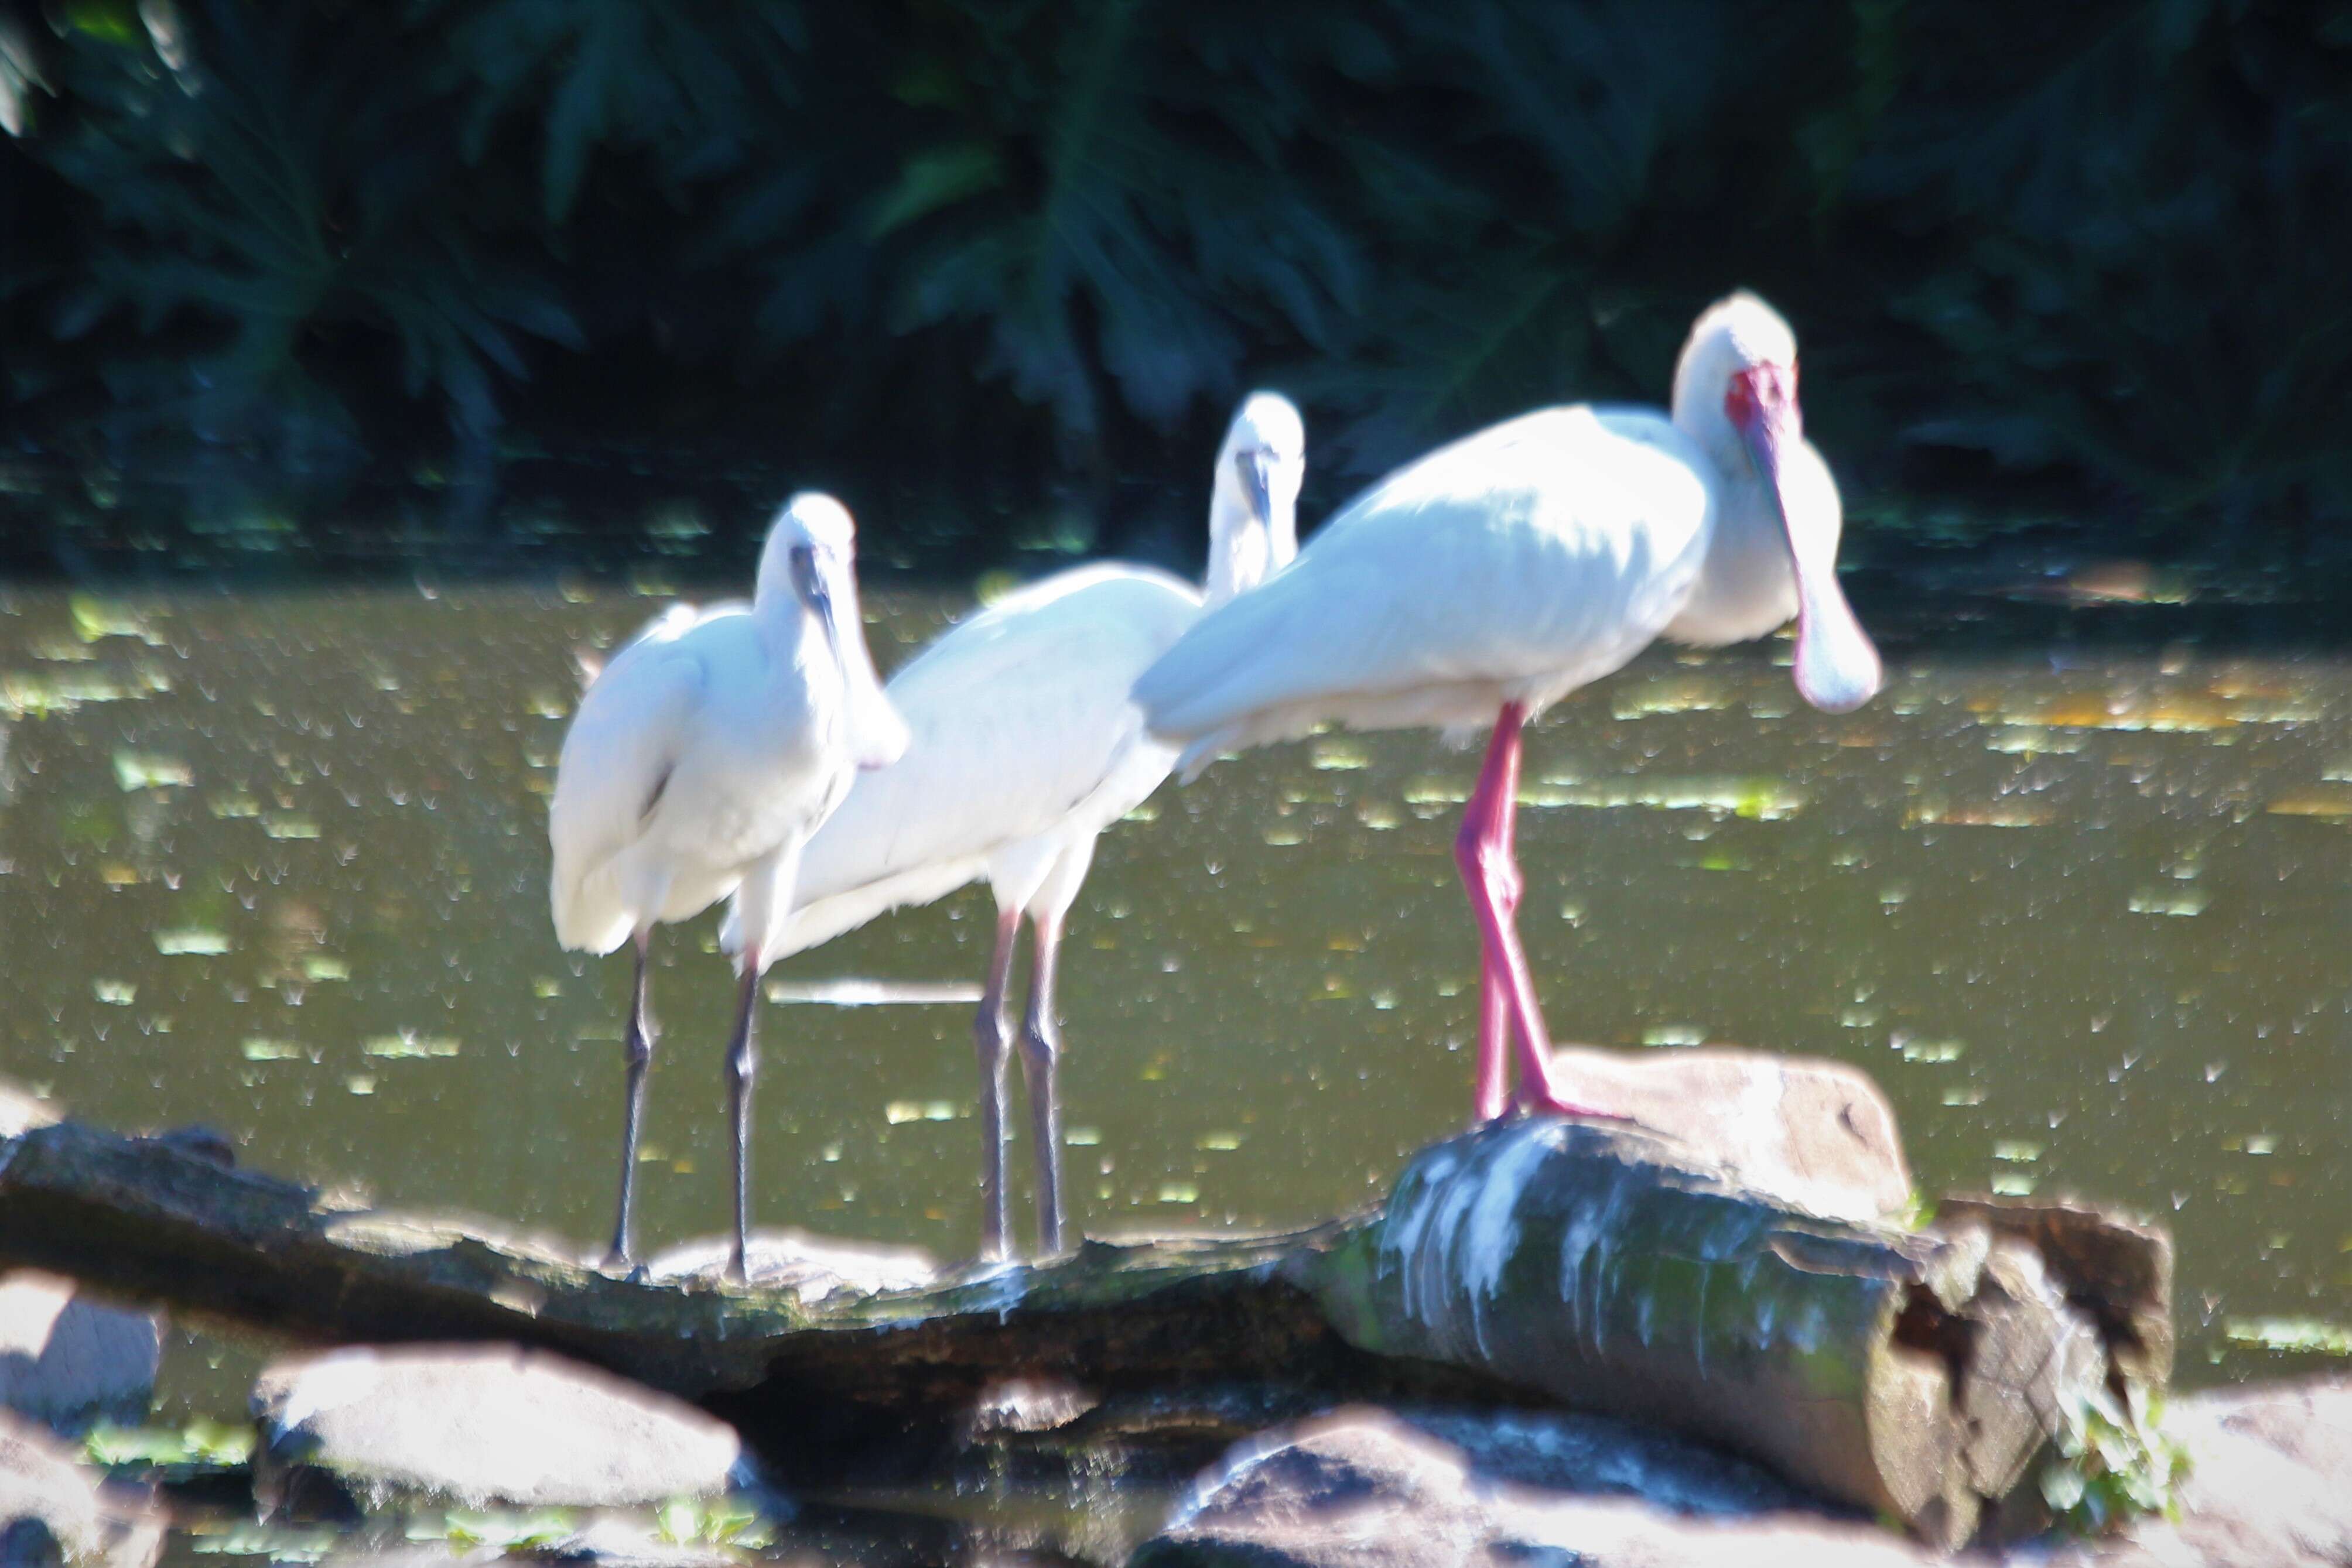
column 1544, row 1102
column 618, row 1261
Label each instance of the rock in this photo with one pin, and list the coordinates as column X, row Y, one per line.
column 625, row 1543
column 1366, row 1489
column 67, row 1361
column 209, row 1145
column 2269, row 1485
column 485, row 1424
column 813, row 1266
column 1814, row 1134
column 21, row 1111
column 360, row 1552
column 54, row 1510
column 1597, row 1455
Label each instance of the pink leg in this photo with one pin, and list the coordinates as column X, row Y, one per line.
column 1497, row 778
column 1492, row 1095
column 1484, row 850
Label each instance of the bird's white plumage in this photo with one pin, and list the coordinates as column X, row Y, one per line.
column 1265, row 445
column 713, row 740
column 1526, row 560
column 1514, row 565
column 1025, row 742
column 1490, row 578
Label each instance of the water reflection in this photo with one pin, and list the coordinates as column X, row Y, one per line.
column 278, row 864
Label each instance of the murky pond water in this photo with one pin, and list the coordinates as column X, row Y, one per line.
column 277, row 864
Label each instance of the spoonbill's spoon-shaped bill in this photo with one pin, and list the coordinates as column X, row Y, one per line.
column 1836, row 668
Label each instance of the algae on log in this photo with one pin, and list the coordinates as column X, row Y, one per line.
column 1919, row 1374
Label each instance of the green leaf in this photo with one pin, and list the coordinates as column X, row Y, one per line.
column 936, row 178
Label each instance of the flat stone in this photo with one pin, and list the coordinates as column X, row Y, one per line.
column 367, row 1554
column 1368, row 1489
column 1816, row 1133
column 487, row 1423
column 813, row 1266
column 1560, row 1451
column 67, row 1361
column 54, row 1510
column 21, row 1111
column 626, row 1543
column 2269, row 1486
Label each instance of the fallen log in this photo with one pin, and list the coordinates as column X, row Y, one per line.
column 1930, row 1375
column 164, row 1219
column 1922, row 1373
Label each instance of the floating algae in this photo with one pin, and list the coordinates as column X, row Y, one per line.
column 1758, row 798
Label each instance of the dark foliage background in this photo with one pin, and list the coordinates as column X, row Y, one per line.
column 955, row 254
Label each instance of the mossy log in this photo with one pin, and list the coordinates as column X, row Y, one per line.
column 1921, row 1373
column 1603, row 1267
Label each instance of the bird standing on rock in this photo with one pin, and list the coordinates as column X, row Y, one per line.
column 1025, row 748
column 700, row 760
column 1493, row 577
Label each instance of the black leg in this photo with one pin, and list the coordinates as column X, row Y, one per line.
column 988, row 1038
column 742, row 1065
column 637, row 1042
column 1041, row 1054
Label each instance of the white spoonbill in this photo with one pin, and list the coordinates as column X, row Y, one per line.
column 1491, row 578
column 700, row 760
column 1025, row 748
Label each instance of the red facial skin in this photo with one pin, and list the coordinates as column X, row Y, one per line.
column 1761, row 396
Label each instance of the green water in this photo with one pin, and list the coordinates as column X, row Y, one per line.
column 277, row 864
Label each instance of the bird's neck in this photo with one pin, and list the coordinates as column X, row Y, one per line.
column 1243, row 551
column 1747, row 585
column 789, row 630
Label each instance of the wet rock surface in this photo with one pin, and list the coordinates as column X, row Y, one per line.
column 1372, row 1489
column 67, row 1361
column 482, row 1423
column 1816, row 1133
column 21, row 1111
column 813, row 1266
column 624, row 1544
column 54, row 1510
column 1597, row 1455
column 2269, row 1486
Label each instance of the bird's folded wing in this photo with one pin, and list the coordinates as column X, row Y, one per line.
column 1484, row 563
column 1015, row 721
column 631, row 727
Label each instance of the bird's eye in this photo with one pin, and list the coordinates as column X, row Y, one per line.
column 804, row 572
